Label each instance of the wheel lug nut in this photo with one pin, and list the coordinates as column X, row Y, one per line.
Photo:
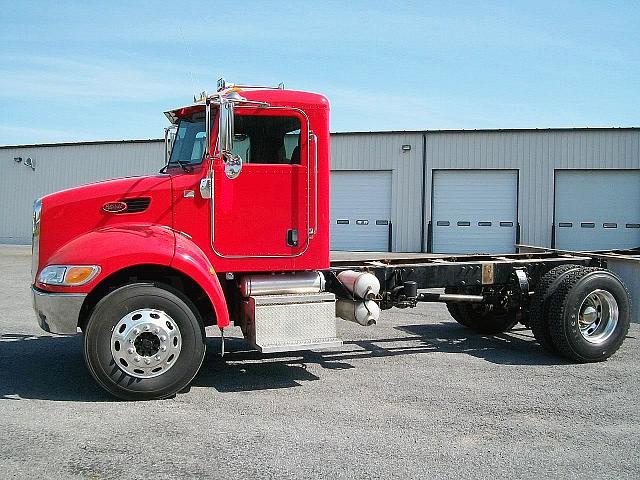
column 163, row 348
column 130, row 351
column 157, row 357
column 131, row 340
column 146, row 327
column 156, row 331
column 163, row 337
column 136, row 331
column 136, row 358
column 147, row 361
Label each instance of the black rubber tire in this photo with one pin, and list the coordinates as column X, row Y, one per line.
column 483, row 319
column 455, row 313
column 117, row 304
column 480, row 317
column 454, row 309
column 564, row 308
column 540, row 304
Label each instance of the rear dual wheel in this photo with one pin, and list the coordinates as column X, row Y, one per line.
column 539, row 311
column 581, row 313
column 144, row 341
column 589, row 313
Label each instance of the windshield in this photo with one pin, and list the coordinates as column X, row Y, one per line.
column 189, row 142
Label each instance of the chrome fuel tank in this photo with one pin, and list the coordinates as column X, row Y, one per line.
column 281, row 283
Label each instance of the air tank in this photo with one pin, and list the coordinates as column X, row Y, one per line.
column 365, row 312
column 363, row 285
column 281, row 283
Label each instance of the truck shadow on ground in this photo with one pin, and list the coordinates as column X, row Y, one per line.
column 245, row 370
column 52, row 368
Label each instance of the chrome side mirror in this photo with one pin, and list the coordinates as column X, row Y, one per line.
column 232, row 163
column 169, row 141
column 225, row 127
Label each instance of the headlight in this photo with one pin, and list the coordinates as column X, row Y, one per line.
column 68, row 275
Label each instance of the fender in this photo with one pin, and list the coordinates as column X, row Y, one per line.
column 192, row 261
column 114, row 248
column 124, row 246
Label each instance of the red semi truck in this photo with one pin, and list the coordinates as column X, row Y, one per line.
column 235, row 228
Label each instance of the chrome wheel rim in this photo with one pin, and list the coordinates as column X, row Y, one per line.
column 146, row 343
column 598, row 316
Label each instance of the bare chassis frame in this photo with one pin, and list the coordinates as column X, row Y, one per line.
column 472, row 278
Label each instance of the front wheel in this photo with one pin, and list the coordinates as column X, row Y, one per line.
column 144, row 341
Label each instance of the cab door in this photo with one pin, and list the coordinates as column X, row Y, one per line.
column 264, row 212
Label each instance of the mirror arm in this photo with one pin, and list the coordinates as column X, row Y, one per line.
column 207, row 123
column 167, row 131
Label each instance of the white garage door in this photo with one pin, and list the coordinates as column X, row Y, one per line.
column 597, row 209
column 360, row 210
column 474, row 211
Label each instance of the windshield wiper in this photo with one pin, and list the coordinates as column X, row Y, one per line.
column 186, row 166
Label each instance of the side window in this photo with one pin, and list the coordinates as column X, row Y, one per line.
column 267, row 140
column 242, row 146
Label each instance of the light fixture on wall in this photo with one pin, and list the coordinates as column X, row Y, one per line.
column 31, row 163
column 406, row 148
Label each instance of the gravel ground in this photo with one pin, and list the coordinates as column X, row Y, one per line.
column 415, row 396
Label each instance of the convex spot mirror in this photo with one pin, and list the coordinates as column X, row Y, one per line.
column 232, row 162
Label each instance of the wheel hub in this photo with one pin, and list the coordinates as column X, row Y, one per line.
column 146, row 343
column 598, row 316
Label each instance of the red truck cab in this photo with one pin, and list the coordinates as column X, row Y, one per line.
column 244, row 191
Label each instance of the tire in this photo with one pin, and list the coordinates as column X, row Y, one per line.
column 540, row 305
column 455, row 313
column 482, row 318
column 155, row 324
column 485, row 319
column 589, row 315
column 454, row 309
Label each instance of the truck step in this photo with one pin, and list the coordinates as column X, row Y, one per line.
column 292, row 322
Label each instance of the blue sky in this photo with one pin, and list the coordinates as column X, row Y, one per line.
column 75, row 71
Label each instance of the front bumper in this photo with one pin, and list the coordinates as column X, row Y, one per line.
column 57, row 312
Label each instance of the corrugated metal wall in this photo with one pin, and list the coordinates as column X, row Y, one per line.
column 384, row 152
column 63, row 166
column 536, row 154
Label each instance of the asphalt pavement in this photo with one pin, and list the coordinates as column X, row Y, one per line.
column 416, row 396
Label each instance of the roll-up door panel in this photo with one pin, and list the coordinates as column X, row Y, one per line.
column 360, row 210
column 597, row 209
column 474, row 211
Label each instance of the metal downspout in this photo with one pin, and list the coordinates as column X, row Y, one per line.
column 423, row 240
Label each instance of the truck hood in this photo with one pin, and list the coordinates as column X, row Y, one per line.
column 70, row 213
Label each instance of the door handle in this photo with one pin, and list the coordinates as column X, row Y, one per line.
column 292, row 237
